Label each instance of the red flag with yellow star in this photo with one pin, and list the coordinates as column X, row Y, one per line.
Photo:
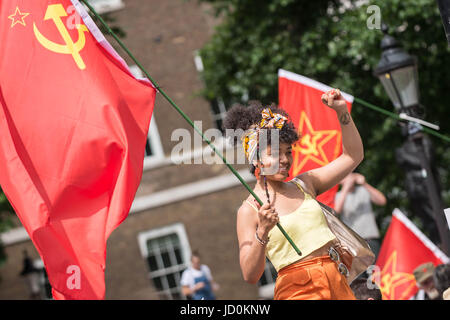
column 73, row 128
column 319, row 129
column 404, row 248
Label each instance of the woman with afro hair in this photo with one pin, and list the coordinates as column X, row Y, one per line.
column 316, row 274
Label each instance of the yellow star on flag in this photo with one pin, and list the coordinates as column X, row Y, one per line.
column 389, row 280
column 18, row 17
column 310, row 146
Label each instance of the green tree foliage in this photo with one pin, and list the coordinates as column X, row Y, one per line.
column 333, row 44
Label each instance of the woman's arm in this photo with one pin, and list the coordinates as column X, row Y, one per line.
column 251, row 253
column 328, row 176
column 187, row 291
column 214, row 285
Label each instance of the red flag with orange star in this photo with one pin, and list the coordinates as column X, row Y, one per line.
column 73, row 128
column 404, row 248
column 320, row 132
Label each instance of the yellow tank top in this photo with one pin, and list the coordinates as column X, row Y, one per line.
column 306, row 226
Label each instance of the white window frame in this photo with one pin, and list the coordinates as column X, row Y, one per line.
column 39, row 265
column 180, row 231
column 222, row 109
column 220, row 103
column 105, row 6
column 153, row 133
column 155, row 143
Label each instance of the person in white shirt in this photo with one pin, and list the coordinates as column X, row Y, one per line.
column 354, row 204
column 197, row 282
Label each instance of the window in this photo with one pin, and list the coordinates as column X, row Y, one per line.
column 218, row 112
column 267, row 281
column 45, row 289
column 153, row 146
column 167, row 253
column 105, row 6
column 218, row 106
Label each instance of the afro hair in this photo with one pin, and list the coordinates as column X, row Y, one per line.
column 241, row 117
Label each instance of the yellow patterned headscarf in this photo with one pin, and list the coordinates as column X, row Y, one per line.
column 250, row 138
column 270, row 120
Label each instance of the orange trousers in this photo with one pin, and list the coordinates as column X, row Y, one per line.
column 314, row 279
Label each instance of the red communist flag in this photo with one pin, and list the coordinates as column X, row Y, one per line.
column 404, row 248
column 73, row 127
column 320, row 132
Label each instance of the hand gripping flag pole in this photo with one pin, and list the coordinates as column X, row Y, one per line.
column 186, row 118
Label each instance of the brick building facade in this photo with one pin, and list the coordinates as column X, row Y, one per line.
column 178, row 207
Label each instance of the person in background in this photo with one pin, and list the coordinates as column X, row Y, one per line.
column 197, row 282
column 441, row 278
column 354, row 204
column 424, row 280
column 364, row 289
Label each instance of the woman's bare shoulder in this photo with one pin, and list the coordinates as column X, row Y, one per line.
column 248, row 206
column 246, row 212
column 247, row 219
column 307, row 183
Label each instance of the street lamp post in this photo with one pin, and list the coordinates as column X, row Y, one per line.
column 397, row 71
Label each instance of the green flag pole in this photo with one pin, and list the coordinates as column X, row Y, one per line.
column 397, row 117
column 186, row 118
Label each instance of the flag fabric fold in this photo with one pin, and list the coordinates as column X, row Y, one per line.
column 319, row 129
column 73, row 128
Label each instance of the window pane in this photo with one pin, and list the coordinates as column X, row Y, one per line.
column 157, row 282
column 150, row 246
column 178, row 256
column 164, row 253
column 215, row 106
column 219, row 124
column 406, row 85
column 166, row 259
column 148, row 149
column 152, row 263
column 162, row 243
column 171, row 280
column 174, row 239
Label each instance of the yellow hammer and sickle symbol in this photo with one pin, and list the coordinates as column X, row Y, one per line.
column 55, row 12
column 308, row 146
